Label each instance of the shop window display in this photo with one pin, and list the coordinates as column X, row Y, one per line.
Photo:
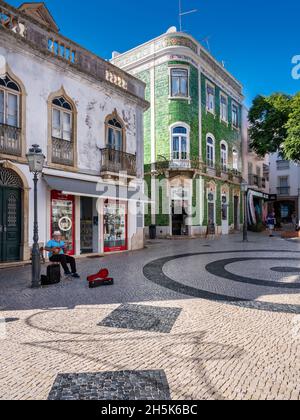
column 115, row 227
column 63, row 217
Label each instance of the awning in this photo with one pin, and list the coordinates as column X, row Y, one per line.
column 103, row 190
column 262, row 195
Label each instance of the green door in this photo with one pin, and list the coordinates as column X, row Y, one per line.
column 10, row 224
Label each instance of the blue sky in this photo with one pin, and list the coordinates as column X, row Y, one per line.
column 256, row 38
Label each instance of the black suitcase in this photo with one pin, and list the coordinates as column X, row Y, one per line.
column 53, row 275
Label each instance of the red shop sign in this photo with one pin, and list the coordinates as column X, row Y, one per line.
column 63, row 218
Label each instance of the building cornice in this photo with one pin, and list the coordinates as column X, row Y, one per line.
column 14, row 44
column 192, row 48
column 37, row 36
column 183, row 54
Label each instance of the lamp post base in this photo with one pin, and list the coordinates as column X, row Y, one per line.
column 36, row 268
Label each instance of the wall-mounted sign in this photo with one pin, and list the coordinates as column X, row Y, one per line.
column 63, row 218
column 65, row 224
column 211, row 197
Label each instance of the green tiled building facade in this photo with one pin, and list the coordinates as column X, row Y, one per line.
column 192, row 136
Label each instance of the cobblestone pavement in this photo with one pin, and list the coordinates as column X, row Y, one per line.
column 221, row 321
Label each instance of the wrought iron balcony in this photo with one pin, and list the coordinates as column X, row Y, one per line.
column 194, row 164
column 255, row 180
column 283, row 191
column 178, row 163
column 62, row 152
column 115, row 161
column 10, row 140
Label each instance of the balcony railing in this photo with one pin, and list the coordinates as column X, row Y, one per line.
column 115, row 161
column 257, row 181
column 10, row 140
column 283, row 190
column 62, row 152
column 51, row 43
column 195, row 164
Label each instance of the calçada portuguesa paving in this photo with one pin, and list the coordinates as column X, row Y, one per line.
column 190, row 319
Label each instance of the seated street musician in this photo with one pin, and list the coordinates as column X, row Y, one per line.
column 57, row 253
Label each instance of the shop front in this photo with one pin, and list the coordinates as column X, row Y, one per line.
column 115, row 226
column 258, row 208
column 63, row 218
column 93, row 222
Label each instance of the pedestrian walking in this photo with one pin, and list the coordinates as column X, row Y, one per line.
column 271, row 222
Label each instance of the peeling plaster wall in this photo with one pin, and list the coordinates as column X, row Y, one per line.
column 94, row 103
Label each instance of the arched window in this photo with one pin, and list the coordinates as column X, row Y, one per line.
column 180, row 143
column 62, row 132
column 224, row 157
column 210, row 152
column 9, row 102
column 62, row 119
column 235, row 160
column 115, row 140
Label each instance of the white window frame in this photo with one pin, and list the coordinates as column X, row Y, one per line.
column 207, row 85
column 234, row 104
column 225, row 120
column 186, row 136
column 211, row 163
column 284, row 177
column 62, row 111
column 179, row 67
column 7, row 92
column 115, row 130
column 235, row 153
column 224, row 157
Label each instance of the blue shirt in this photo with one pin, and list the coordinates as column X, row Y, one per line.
column 54, row 244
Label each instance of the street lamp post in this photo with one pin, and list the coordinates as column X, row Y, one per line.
column 244, row 188
column 36, row 161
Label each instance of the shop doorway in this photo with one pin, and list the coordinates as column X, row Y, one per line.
column 211, row 213
column 284, row 211
column 225, row 221
column 10, row 224
column 179, row 215
column 86, row 225
column 10, row 215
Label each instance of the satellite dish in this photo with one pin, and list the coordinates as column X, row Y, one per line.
column 172, row 30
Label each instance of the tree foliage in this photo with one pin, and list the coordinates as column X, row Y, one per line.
column 269, row 120
column 291, row 146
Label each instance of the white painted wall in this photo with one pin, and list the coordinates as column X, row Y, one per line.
column 293, row 173
column 251, row 157
column 94, row 102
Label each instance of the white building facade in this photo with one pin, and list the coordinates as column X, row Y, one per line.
column 285, row 183
column 256, row 175
column 87, row 117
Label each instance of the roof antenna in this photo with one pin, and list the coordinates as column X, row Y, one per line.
column 181, row 14
column 206, row 40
